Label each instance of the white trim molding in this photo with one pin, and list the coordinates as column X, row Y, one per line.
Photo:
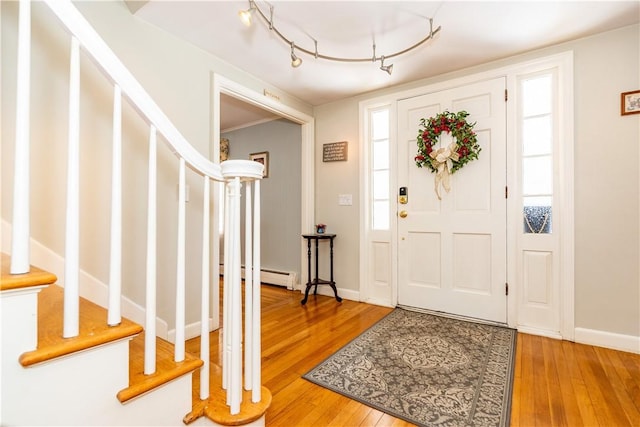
column 612, row 340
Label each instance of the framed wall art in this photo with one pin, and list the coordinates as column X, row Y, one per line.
column 630, row 102
column 224, row 149
column 262, row 157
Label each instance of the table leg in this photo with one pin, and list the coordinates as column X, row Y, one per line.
column 315, row 290
column 333, row 283
column 309, row 282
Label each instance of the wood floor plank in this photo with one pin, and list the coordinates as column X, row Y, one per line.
column 554, row 392
column 566, row 399
column 622, row 395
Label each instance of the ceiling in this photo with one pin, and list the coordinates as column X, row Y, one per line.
column 472, row 33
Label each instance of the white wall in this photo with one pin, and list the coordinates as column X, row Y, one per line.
column 607, row 253
column 280, row 192
column 177, row 75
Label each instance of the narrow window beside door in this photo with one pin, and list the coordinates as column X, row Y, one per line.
column 379, row 143
column 536, row 122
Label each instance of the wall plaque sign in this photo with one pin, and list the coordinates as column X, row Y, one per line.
column 335, row 151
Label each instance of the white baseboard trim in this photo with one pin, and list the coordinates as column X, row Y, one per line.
column 612, row 340
column 192, row 330
column 288, row 279
column 540, row 332
column 327, row 291
column 381, row 302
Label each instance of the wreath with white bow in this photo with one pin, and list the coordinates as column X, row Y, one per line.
column 444, row 161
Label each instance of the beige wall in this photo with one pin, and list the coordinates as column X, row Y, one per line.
column 607, row 280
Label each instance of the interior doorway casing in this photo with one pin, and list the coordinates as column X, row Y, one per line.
column 222, row 85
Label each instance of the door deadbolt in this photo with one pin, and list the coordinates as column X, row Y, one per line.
column 403, row 196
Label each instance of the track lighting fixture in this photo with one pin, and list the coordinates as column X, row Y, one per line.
column 387, row 68
column 295, row 61
column 246, row 15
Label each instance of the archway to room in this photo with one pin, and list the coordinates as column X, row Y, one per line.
column 266, row 120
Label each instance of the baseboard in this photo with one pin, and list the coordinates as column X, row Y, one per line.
column 288, row 279
column 90, row 287
column 328, row 291
column 191, row 330
column 539, row 332
column 612, row 340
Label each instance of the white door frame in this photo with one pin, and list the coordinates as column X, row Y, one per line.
column 565, row 61
column 221, row 84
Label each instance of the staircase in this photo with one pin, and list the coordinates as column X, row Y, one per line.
column 67, row 360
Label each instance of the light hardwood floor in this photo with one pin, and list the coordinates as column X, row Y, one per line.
column 556, row 383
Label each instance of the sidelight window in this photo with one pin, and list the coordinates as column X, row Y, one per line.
column 537, row 141
column 379, row 184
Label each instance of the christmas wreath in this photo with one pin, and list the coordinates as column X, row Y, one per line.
column 446, row 160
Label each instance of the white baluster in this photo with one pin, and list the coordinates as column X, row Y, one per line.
column 256, row 349
column 114, row 316
column 225, row 291
column 72, row 235
column 150, row 313
column 21, row 183
column 248, row 289
column 180, row 267
column 218, row 187
column 204, row 318
column 235, row 374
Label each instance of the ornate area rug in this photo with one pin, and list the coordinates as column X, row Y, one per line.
column 426, row 369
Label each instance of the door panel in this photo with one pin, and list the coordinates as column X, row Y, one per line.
column 452, row 252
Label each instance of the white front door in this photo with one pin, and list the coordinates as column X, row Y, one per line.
column 452, row 252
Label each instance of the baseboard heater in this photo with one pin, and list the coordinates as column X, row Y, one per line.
column 287, row 279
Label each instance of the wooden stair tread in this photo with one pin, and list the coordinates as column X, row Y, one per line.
column 93, row 329
column 35, row 277
column 166, row 368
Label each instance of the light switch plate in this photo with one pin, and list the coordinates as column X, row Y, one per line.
column 345, row 199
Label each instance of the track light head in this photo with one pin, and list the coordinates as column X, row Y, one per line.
column 387, row 68
column 246, row 15
column 295, row 61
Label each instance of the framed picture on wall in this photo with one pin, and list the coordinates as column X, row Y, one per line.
column 262, row 157
column 630, row 102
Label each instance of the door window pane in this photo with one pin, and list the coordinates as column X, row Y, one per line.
column 381, row 185
column 536, row 136
column 380, row 121
column 537, row 215
column 381, row 154
column 537, row 175
column 536, row 93
column 381, row 215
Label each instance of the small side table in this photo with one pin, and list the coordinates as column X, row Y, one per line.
column 315, row 282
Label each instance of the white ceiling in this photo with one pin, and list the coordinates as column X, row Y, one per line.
column 472, row 32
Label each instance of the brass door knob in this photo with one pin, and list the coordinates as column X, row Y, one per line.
column 403, row 214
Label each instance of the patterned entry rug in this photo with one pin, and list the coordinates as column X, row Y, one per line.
column 426, row 369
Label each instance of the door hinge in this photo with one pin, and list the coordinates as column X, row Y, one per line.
column 506, row 289
column 506, row 95
column 506, row 192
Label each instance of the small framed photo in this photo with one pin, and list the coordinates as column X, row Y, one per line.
column 630, row 103
column 262, row 157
